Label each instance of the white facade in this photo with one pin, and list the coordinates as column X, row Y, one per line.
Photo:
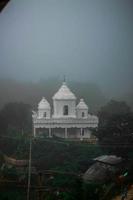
column 64, row 97
column 82, row 110
column 44, row 110
column 67, row 119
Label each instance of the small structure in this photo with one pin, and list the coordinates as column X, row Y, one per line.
column 103, row 169
column 66, row 119
column 14, row 162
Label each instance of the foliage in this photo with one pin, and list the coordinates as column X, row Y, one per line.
column 15, row 118
column 91, row 191
column 69, row 187
column 116, row 127
column 64, row 156
column 58, row 156
column 12, row 194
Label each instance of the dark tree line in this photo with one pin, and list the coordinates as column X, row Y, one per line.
column 15, row 119
column 115, row 121
column 116, row 127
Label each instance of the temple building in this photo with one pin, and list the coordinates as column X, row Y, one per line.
column 64, row 119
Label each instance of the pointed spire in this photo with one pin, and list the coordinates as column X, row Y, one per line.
column 64, row 93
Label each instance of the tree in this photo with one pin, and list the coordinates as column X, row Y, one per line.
column 15, row 118
column 115, row 124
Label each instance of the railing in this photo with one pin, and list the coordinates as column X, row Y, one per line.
column 65, row 121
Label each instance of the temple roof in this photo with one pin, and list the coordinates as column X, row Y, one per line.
column 44, row 104
column 82, row 104
column 64, row 93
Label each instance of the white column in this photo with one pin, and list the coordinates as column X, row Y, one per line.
column 66, row 135
column 34, row 131
column 50, row 135
column 81, row 138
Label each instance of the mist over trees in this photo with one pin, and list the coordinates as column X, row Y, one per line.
column 32, row 92
column 16, row 119
column 91, row 43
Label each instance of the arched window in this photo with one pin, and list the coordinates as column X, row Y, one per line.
column 83, row 114
column 65, row 110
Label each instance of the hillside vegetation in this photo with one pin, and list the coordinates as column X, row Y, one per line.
column 52, row 153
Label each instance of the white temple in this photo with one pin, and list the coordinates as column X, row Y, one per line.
column 66, row 119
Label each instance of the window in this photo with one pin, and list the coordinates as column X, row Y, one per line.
column 45, row 114
column 83, row 114
column 65, row 110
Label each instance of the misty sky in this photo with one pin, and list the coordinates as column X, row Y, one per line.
column 83, row 39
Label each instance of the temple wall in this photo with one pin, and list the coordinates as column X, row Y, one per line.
column 58, row 108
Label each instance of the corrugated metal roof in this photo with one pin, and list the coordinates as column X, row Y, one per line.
column 104, row 169
column 109, row 159
column 96, row 173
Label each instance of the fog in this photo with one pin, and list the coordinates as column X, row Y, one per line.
column 86, row 40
